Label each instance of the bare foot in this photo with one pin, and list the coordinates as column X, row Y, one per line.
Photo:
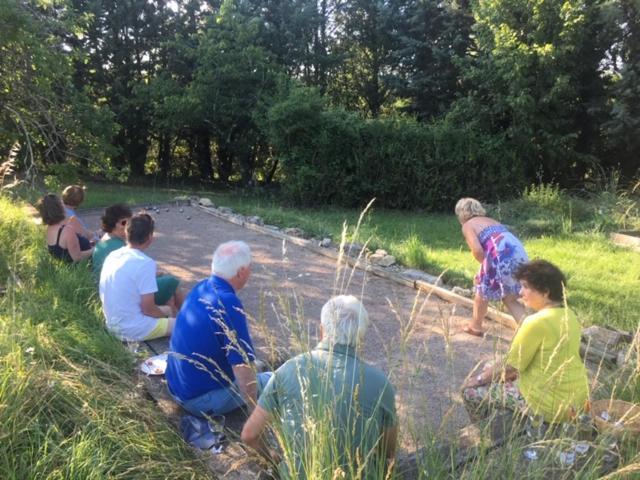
column 473, row 331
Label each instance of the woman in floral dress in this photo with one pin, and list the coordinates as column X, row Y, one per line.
column 499, row 253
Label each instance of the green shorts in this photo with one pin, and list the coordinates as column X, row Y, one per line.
column 167, row 286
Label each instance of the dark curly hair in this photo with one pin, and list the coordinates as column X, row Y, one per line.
column 51, row 209
column 544, row 277
column 139, row 228
column 113, row 214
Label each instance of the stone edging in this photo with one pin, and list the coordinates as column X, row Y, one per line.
column 429, row 288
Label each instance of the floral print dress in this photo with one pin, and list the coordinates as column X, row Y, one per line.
column 503, row 254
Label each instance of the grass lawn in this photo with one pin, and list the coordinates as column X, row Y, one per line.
column 603, row 279
column 70, row 407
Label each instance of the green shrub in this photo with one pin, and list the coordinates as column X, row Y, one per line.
column 331, row 156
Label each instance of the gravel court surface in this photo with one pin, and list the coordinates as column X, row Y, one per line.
column 413, row 338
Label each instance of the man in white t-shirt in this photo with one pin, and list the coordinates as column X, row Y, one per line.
column 128, row 284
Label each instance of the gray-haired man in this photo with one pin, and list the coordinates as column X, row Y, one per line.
column 329, row 395
column 210, row 370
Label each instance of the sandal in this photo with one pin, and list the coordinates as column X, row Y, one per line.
column 474, row 332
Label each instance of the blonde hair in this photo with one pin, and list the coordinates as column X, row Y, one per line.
column 468, row 207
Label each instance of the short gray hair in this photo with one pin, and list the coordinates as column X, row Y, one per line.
column 468, row 207
column 230, row 257
column 344, row 320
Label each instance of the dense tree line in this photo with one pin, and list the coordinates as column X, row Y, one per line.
column 338, row 100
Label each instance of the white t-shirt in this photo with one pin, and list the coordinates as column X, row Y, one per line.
column 127, row 274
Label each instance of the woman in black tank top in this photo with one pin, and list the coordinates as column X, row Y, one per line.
column 69, row 246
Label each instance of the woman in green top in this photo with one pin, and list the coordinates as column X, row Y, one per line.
column 544, row 354
column 114, row 222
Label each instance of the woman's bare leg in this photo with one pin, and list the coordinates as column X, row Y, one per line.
column 515, row 307
column 480, row 307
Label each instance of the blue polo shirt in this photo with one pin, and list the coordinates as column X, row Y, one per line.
column 210, row 336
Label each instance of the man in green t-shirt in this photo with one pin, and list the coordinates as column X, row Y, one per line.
column 331, row 411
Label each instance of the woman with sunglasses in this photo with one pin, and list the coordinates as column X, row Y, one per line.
column 114, row 222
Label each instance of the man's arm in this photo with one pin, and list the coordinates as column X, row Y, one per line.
column 252, row 432
column 149, row 307
column 247, row 383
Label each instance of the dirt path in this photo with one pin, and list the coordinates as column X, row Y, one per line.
column 412, row 338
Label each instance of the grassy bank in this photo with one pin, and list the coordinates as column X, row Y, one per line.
column 569, row 231
column 69, row 403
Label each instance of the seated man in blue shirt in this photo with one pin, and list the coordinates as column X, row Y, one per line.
column 330, row 411
column 211, row 366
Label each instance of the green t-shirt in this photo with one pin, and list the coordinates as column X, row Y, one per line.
column 100, row 252
column 546, row 352
column 330, row 412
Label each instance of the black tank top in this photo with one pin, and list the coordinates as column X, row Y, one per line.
column 62, row 253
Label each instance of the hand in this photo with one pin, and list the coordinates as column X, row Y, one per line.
column 474, row 381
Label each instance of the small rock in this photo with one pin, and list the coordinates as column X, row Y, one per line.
column 167, row 210
column 225, row 210
column 181, row 210
column 382, row 259
column 272, row 227
column 294, row 232
column 182, row 200
column 325, row 243
column 420, row 275
column 380, row 252
column 254, row 219
column 205, row 202
column 464, row 292
column 237, row 218
column 188, row 218
column 353, row 249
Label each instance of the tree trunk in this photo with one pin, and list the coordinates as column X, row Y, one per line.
column 202, row 154
column 137, row 153
column 246, row 165
column 271, row 173
column 164, row 155
column 225, row 162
